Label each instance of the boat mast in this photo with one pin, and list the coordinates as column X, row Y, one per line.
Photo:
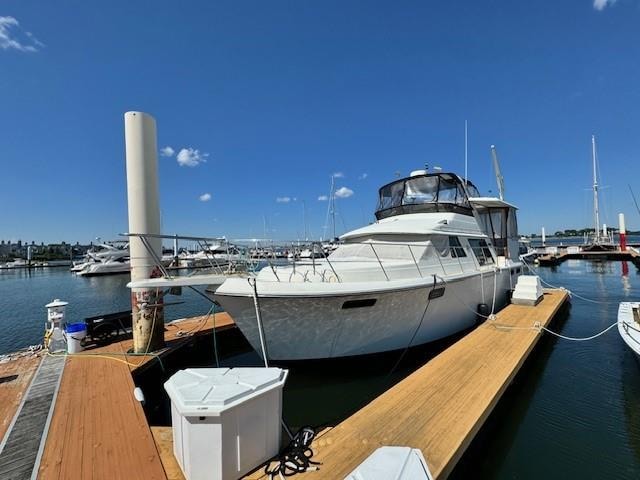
column 496, row 167
column 596, row 208
column 333, row 206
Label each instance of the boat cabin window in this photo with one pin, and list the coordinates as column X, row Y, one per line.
column 420, row 190
column 457, row 250
column 434, row 192
column 481, row 250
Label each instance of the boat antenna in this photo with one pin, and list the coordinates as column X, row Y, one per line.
column 634, row 198
column 465, row 152
column 496, row 167
column 596, row 206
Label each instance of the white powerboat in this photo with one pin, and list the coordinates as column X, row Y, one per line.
column 629, row 325
column 105, row 259
column 436, row 256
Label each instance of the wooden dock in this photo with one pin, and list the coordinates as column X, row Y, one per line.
column 553, row 259
column 438, row 409
column 97, row 430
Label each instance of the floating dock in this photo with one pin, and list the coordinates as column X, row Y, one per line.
column 95, row 429
column 88, row 423
column 441, row 406
column 613, row 255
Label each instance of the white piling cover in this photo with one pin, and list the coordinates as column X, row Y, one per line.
column 142, row 190
column 623, row 227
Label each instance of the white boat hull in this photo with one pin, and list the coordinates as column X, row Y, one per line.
column 629, row 327
column 326, row 322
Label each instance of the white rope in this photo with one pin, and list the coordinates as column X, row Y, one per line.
column 537, row 327
column 583, row 339
column 254, row 288
column 571, row 294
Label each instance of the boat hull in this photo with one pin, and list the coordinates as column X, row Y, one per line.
column 628, row 327
column 331, row 324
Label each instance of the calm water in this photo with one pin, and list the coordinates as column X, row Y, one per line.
column 24, row 293
column 573, row 412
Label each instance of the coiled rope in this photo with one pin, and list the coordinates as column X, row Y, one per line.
column 296, row 457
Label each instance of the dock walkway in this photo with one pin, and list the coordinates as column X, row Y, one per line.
column 21, row 446
column 93, row 428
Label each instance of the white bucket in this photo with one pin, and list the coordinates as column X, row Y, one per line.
column 76, row 332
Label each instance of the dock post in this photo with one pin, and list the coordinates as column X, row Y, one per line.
column 622, row 233
column 144, row 217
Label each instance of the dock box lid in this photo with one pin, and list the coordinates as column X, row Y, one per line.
column 217, row 389
column 392, row 463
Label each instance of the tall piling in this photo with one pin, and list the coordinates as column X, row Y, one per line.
column 622, row 232
column 144, row 217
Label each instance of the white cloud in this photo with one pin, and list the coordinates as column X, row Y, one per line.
column 205, row 197
column 323, row 198
column 343, row 192
column 602, row 4
column 363, row 176
column 9, row 26
column 189, row 157
column 338, row 175
column 167, row 151
column 283, row 199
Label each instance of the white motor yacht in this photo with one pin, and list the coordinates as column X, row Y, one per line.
column 104, row 260
column 436, row 256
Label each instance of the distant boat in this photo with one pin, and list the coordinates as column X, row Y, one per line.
column 629, row 325
column 105, row 259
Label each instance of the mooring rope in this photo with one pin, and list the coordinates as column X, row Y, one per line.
column 571, row 293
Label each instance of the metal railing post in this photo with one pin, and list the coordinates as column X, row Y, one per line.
column 414, row 261
column 376, row 254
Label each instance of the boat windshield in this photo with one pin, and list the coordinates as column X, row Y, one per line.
column 437, row 192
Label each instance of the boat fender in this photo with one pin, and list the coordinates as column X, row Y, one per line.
column 138, row 394
column 483, row 312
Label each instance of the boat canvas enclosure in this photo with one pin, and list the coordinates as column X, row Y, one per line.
column 497, row 219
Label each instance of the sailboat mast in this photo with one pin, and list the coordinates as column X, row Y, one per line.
column 596, row 207
column 333, row 206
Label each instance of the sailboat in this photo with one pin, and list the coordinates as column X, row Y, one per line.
column 600, row 240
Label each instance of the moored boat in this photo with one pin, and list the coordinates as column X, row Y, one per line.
column 437, row 254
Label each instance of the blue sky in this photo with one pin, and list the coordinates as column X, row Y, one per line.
column 277, row 96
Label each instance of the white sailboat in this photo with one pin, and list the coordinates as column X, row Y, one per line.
column 437, row 252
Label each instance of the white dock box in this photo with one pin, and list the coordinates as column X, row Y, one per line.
column 226, row 421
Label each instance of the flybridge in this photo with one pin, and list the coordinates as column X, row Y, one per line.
column 424, row 193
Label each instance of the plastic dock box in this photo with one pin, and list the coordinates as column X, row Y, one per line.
column 226, row 421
